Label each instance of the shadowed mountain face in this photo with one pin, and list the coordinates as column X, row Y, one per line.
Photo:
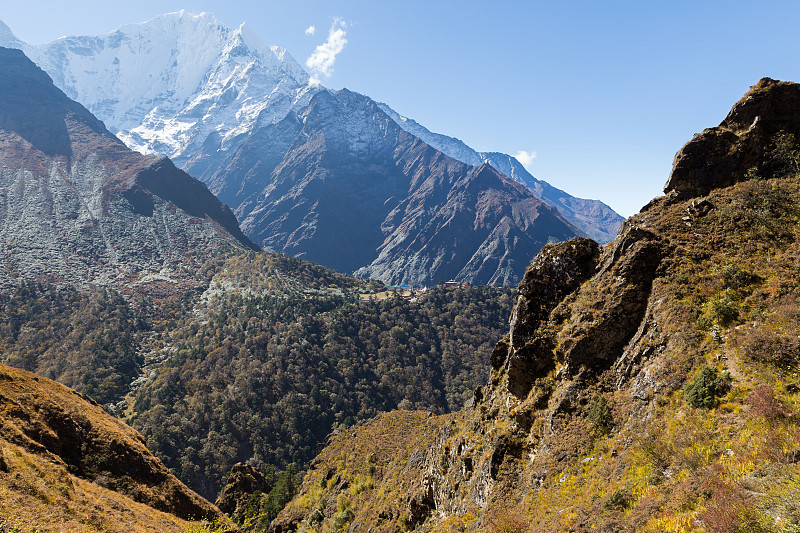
column 343, row 185
column 76, row 205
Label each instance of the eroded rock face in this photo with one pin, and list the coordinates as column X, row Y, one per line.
column 742, row 145
column 554, row 273
column 597, row 334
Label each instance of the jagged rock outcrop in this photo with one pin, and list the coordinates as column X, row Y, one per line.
column 554, row 273
column 70, row 433
column 243, row 480
column 77, row 206
column 597, row 334
column 577, row 312
column 743, row 145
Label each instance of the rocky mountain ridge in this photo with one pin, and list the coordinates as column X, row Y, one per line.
column 719, row 156
column 411, row 214
column 648, row 385
column 77, row 206
column 592, row 217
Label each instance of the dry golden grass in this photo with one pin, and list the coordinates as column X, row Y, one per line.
column 39, row 495
column 725, row 297
column 60, row 457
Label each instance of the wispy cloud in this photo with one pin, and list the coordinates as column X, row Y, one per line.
column 526, row 158
column 321, row 61
column 311, row 30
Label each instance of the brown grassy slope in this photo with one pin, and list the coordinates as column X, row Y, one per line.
column 596, row 417
column 37, row 494
column 66, row 463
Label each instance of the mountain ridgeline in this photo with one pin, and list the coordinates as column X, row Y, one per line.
column 349, row 170
column 331, row 177
column 125, row 279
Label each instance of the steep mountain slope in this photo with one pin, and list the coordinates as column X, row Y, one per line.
column 593, row 217
column 78, row 206
column 67, row 465
column 228, row 109
column 179, row 85
column 356, row 192
column 650, row 385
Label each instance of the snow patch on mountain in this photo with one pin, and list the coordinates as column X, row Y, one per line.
column 188, row 87
column 8, row 39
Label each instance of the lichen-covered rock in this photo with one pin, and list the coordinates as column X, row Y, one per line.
column 597, row 334
column 555, row 272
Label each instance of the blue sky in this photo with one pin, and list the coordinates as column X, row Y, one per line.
column 604, row 93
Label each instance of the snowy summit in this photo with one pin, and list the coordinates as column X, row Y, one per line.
column 169, row 83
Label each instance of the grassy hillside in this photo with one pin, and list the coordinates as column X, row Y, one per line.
column 65, row 464
column 692, row 425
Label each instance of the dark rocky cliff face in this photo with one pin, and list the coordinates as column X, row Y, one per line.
column 343, row 185
column 77, row 206
column 744, row 145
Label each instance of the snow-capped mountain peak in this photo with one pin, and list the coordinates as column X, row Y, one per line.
column 189, row 87
column 165, row 85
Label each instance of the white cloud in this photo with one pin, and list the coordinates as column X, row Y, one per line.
column 526, row 158
column 311, row 30
column 321, row 61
